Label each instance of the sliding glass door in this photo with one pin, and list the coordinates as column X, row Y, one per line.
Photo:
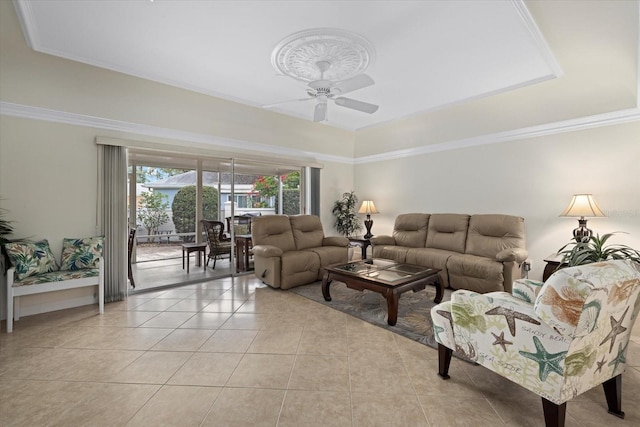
column 171, row 193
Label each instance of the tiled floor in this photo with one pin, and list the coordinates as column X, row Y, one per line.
column 162, row 273
column 234, row 353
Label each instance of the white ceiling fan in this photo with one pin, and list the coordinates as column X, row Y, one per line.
column 325, row 90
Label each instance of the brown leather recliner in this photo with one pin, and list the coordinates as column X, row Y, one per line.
column 290, row 251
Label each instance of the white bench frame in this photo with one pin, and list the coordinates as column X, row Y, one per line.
column 14, row 293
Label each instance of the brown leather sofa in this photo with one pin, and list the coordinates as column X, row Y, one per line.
column 482, row 253
column 290, row 251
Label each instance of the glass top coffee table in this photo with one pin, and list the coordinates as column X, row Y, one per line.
column 386, row 277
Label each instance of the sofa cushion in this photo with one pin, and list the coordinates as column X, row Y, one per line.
column 448, row 232
column 410, row 230
column 330, row 255
column 396, row 253
column 429, row 257
column 274, row 230
column 307, row 231
column 299, row 268
column 31, row 258
column 57, row 276
column 490, row 234
column 80, row 254
column 475, row 273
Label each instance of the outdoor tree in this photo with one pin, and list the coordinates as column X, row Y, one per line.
column 146, row 174
column 184, row 208
column 267, row 186
column 152, row 212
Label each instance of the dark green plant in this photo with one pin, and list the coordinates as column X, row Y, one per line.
column 184, row 209
column 153, row 211
column 595, row 250
column 291, row 201
column 6, row 229
column 344, row 209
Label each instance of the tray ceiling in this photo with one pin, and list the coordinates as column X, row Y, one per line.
column 428, row 54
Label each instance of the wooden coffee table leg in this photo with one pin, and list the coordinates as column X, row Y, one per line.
column 439, row 291
column 325, row 287
column 392, row 307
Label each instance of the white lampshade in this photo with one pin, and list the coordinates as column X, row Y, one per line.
column 582, row 205
column 368, row 208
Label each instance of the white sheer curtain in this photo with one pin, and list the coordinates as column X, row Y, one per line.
column 112, row 218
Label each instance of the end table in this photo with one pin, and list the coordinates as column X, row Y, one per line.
column 363, row 242
column 554, row 261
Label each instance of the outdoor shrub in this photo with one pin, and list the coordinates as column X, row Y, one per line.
column 184, row 209
column 291, row 201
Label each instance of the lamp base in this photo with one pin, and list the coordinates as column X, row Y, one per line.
column 582, row 234
column 368, row 223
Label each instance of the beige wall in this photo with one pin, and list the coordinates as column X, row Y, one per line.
column 533, row 178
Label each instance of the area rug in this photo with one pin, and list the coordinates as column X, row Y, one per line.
column 414, row 310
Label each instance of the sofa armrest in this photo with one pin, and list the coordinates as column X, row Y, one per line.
column 512, row 254
column 335, row 241
column 267, row 251
column 382, row 240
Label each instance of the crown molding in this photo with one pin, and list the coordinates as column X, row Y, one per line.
column 56, row 116
column 598, row 120
column 538, row 37
column 27, row 23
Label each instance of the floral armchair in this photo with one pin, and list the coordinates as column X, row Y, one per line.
column 557, row 339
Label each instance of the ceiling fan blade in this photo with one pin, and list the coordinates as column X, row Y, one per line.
column 354, row 83
column 354, row 104
column 320, row 112
column 285, row 102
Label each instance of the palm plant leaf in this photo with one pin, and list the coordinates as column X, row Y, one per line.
column 596, row 250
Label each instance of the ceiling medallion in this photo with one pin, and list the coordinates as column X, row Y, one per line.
column 298, row 54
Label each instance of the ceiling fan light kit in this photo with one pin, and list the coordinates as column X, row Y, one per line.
column 332, row 62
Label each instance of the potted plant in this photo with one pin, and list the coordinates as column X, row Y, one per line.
column 594, row 250
column 6, row 229
column 344, row 209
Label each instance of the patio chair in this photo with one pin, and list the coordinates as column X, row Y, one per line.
column 218, row 244
column 557, row 339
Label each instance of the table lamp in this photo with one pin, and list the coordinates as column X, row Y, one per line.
column 581, row 206
column 368, row 208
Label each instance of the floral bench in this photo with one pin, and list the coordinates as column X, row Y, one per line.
column 34, row 270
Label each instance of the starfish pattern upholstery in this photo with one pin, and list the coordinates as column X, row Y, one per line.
column 511, row 316
column 572, row 332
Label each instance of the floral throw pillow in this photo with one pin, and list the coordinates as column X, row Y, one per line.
column 80, row 254
column 31, row 258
